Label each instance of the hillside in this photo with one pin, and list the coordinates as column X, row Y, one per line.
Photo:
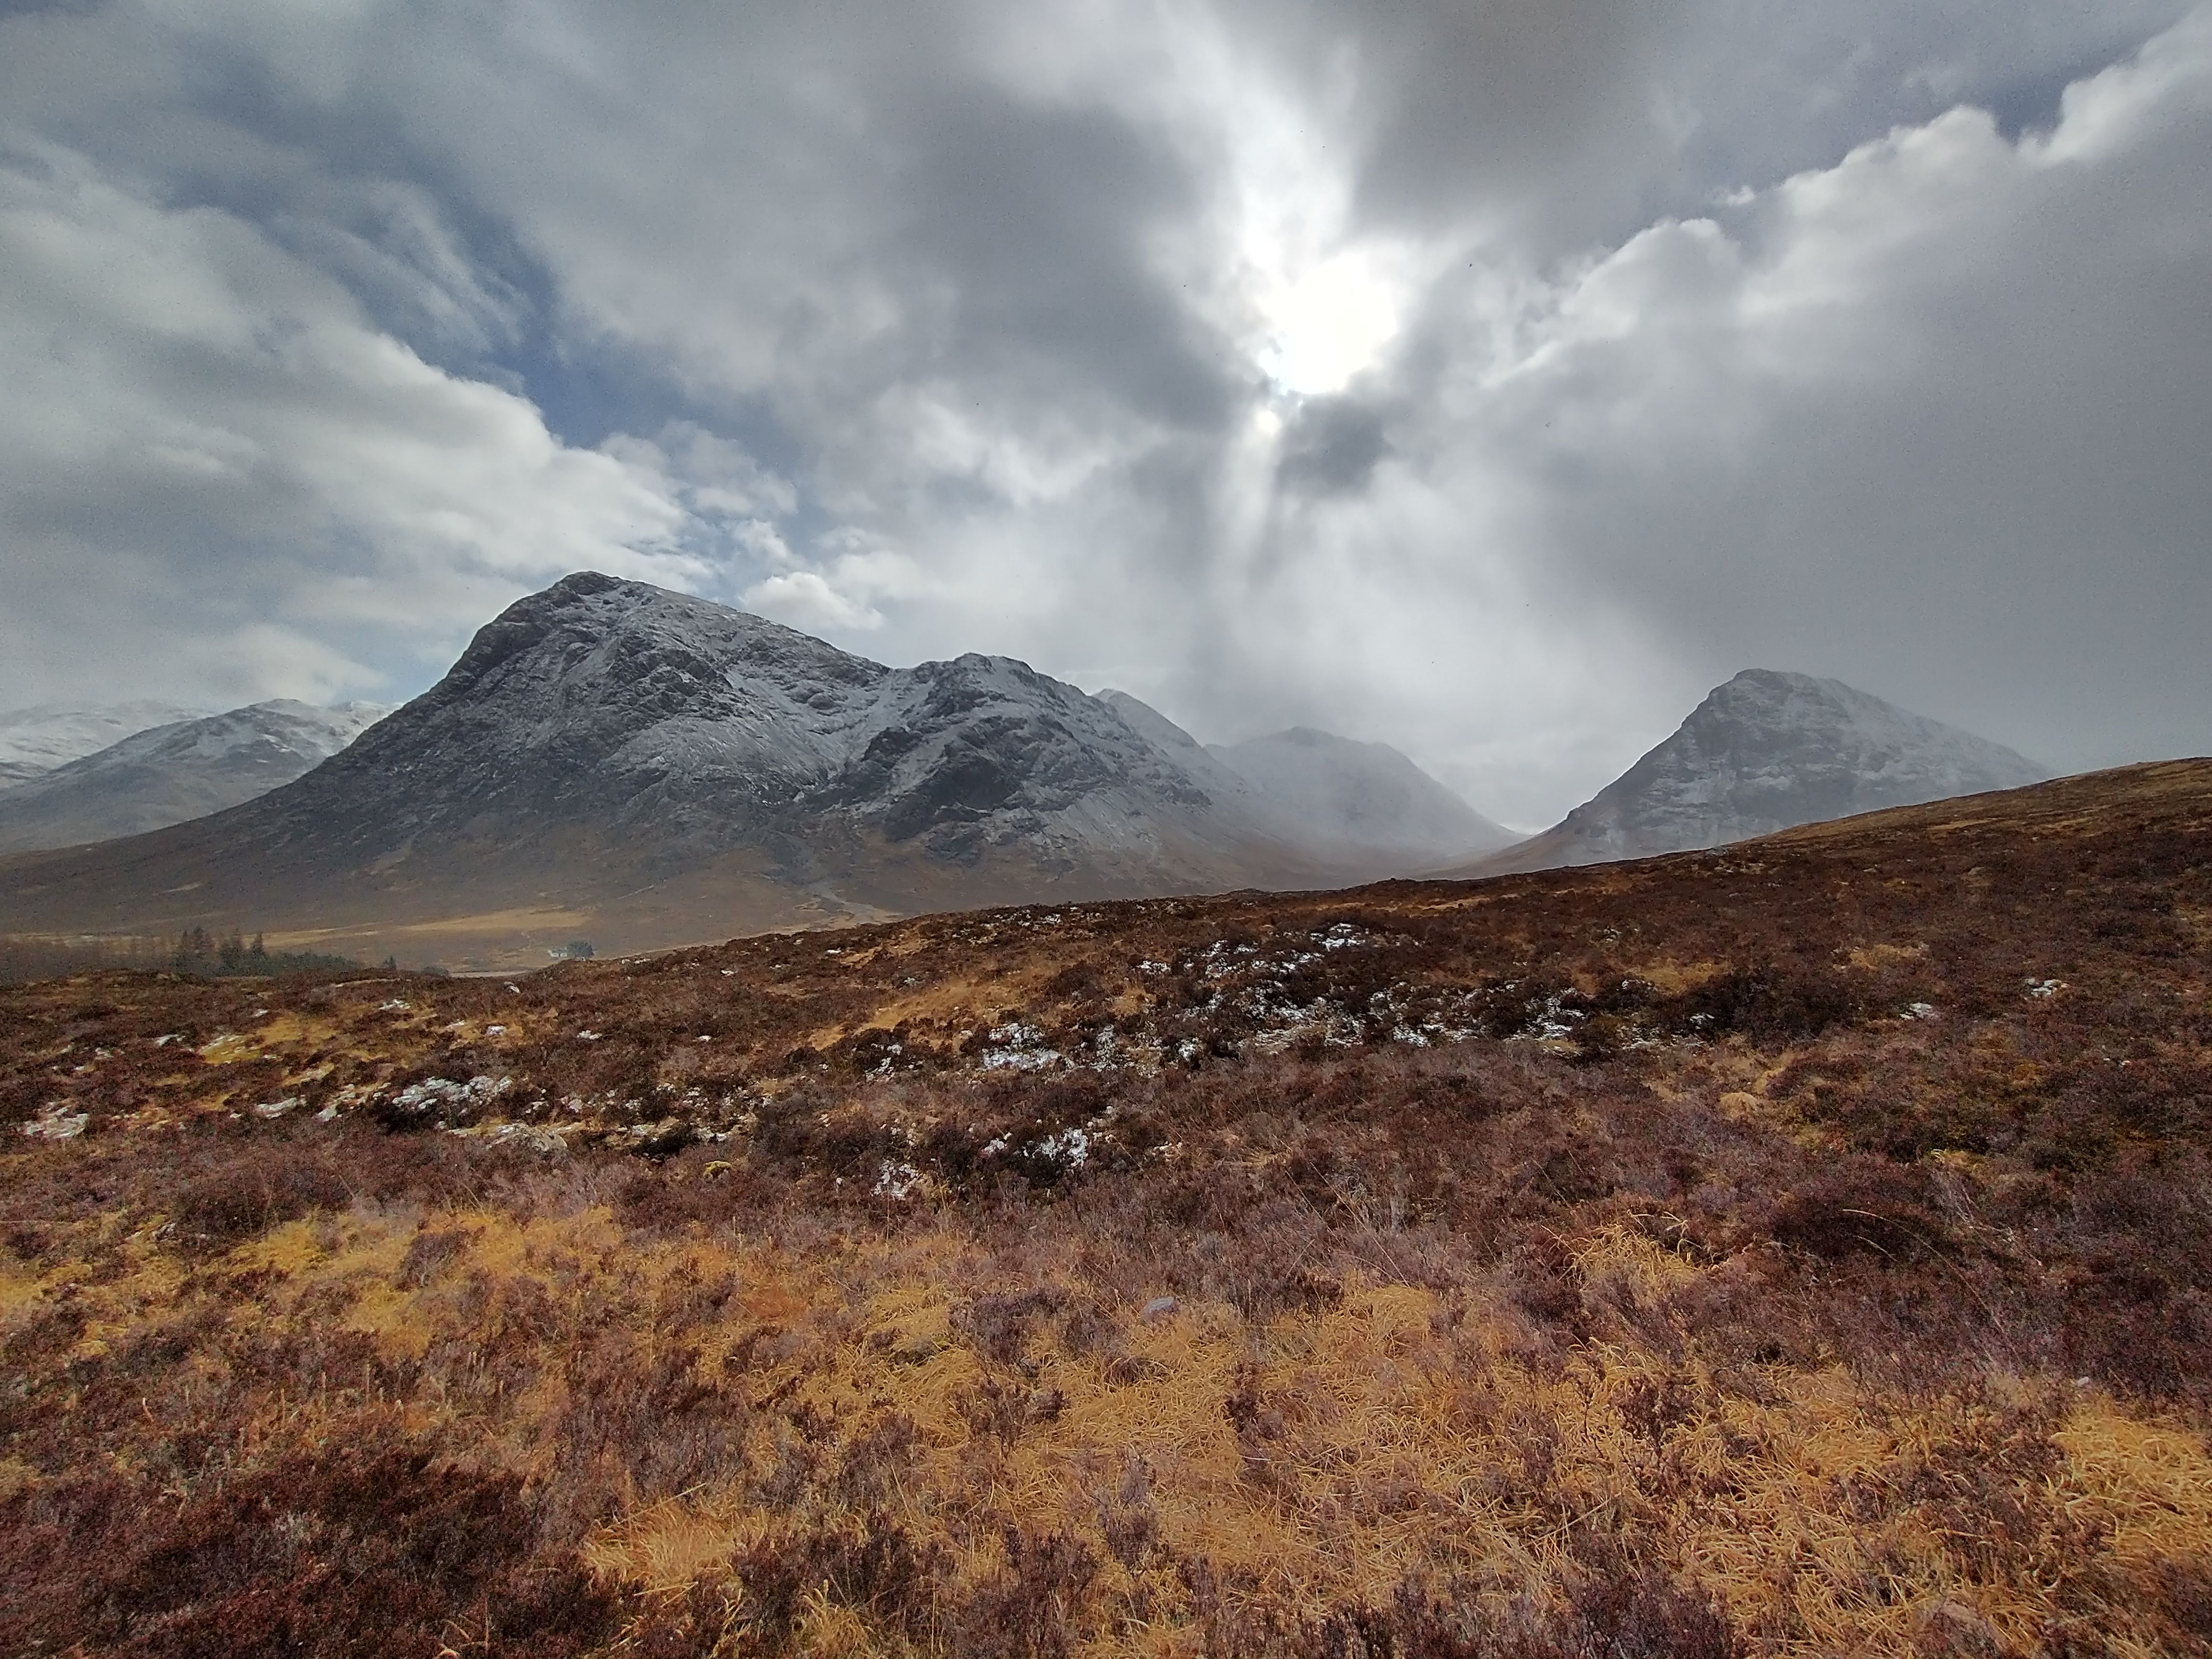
column 1363, row 809
column 1365, row 800
column 1797, row 1249
column 1765, row 752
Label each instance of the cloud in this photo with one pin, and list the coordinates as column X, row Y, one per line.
column 804, row 598
column 1921, row 418
column 1490, row 380
column 208, row 456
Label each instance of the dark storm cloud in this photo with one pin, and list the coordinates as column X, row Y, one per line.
column 1490, row 379
column 1972, row 484
column 1556, row 125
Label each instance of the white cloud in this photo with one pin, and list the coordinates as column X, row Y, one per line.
column 804, row 598
column 1486, row 379
column 715, row 477
column 204, row 437
column 1918, row 419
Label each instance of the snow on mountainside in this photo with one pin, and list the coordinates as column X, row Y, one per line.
column 687, row 729
column 610, row 757
column 175, row 772
column 1768, row 752
column 36, row 740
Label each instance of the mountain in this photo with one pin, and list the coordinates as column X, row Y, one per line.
column 172, row 773
column 36, row 740
column 1362, row 803
column 1363, row 808
column 1767, row 751
column 613, row 761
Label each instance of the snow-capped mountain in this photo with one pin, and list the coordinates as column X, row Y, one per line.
column 612, row 758
column 36, row 740
column 1767, row 751
column 175, row 772
column 676, row 730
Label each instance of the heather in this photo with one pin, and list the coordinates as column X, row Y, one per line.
column 1805, row 1247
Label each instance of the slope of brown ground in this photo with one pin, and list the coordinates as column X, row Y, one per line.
column 1805, row 1248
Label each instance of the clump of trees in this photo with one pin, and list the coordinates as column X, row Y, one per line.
column 195, row 952
column 198, row 951
column 214, row 956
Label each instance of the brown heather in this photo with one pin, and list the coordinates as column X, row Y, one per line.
column 1803, row 1249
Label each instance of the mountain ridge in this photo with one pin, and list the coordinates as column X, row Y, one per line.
column 610, row 755
column 35, row 741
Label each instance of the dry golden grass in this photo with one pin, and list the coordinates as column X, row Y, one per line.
column 1682, row 1290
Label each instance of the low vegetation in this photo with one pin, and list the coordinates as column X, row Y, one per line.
column 195, row 952
column 1802, row 1249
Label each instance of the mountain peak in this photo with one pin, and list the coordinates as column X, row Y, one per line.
column 1767, row 751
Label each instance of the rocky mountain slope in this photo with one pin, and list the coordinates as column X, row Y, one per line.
column 36, row 740
column 613, row 761
column 1767, row 751
column 175, row 772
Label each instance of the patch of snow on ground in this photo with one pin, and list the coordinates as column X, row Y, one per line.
column 1018, row 1047
column 58, row 1123
column 1070, row 1147
column 898, row 1180
column 418, row 1099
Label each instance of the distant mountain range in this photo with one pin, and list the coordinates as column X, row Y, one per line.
column 613, row 762
column 33, row 741
column 174, row 772
column 1769, row 751
column 1363, row 807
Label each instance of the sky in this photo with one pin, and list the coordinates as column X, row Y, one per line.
column 1490, row 380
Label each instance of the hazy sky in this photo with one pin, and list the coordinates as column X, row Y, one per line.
column 1488, row 379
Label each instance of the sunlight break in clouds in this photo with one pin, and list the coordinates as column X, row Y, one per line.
column 1329, row 322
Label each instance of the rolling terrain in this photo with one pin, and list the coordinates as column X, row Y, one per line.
column 1801, row 1248
column 34, row 741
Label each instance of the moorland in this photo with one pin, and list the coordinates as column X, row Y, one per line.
column 1803, row 1247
